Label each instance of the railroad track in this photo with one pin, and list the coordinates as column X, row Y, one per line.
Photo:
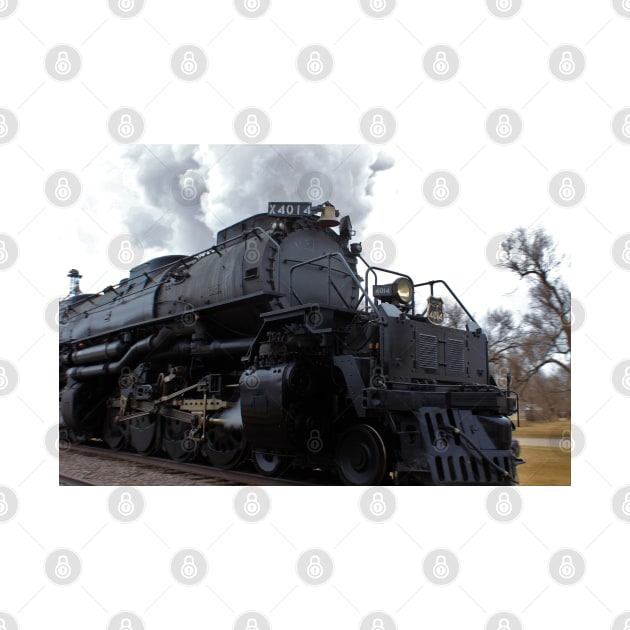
column 69, row 480
column 218, row 475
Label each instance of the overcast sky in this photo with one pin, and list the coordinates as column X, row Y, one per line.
column 136, row 191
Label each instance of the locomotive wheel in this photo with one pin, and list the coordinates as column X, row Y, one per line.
column 175, row 442
column 143, row 434
column 114, row 433
column 361, row 457
column 225, row 447
column 269, row 464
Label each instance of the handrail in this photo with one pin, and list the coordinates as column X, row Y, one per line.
column 372, row 268
column 432, row 282
column 329, row 257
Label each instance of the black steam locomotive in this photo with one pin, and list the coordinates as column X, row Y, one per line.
column 269, row 347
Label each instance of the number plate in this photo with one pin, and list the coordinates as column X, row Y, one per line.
column 289, row 209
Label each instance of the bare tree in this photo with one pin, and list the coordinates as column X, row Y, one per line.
column 545, row 331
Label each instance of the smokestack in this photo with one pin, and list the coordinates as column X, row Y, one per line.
column 74, row 276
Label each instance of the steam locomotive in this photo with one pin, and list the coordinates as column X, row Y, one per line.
column 270, row 348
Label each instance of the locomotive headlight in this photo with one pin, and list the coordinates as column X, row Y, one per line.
column 404, row 290
column 401, row 290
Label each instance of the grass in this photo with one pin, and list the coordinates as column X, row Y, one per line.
column 543, row 429
column 546, row 466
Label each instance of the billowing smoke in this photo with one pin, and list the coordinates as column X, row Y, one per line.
column 171, row 182
column 189, row 192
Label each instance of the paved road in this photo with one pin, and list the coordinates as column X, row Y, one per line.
column 525, row 441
